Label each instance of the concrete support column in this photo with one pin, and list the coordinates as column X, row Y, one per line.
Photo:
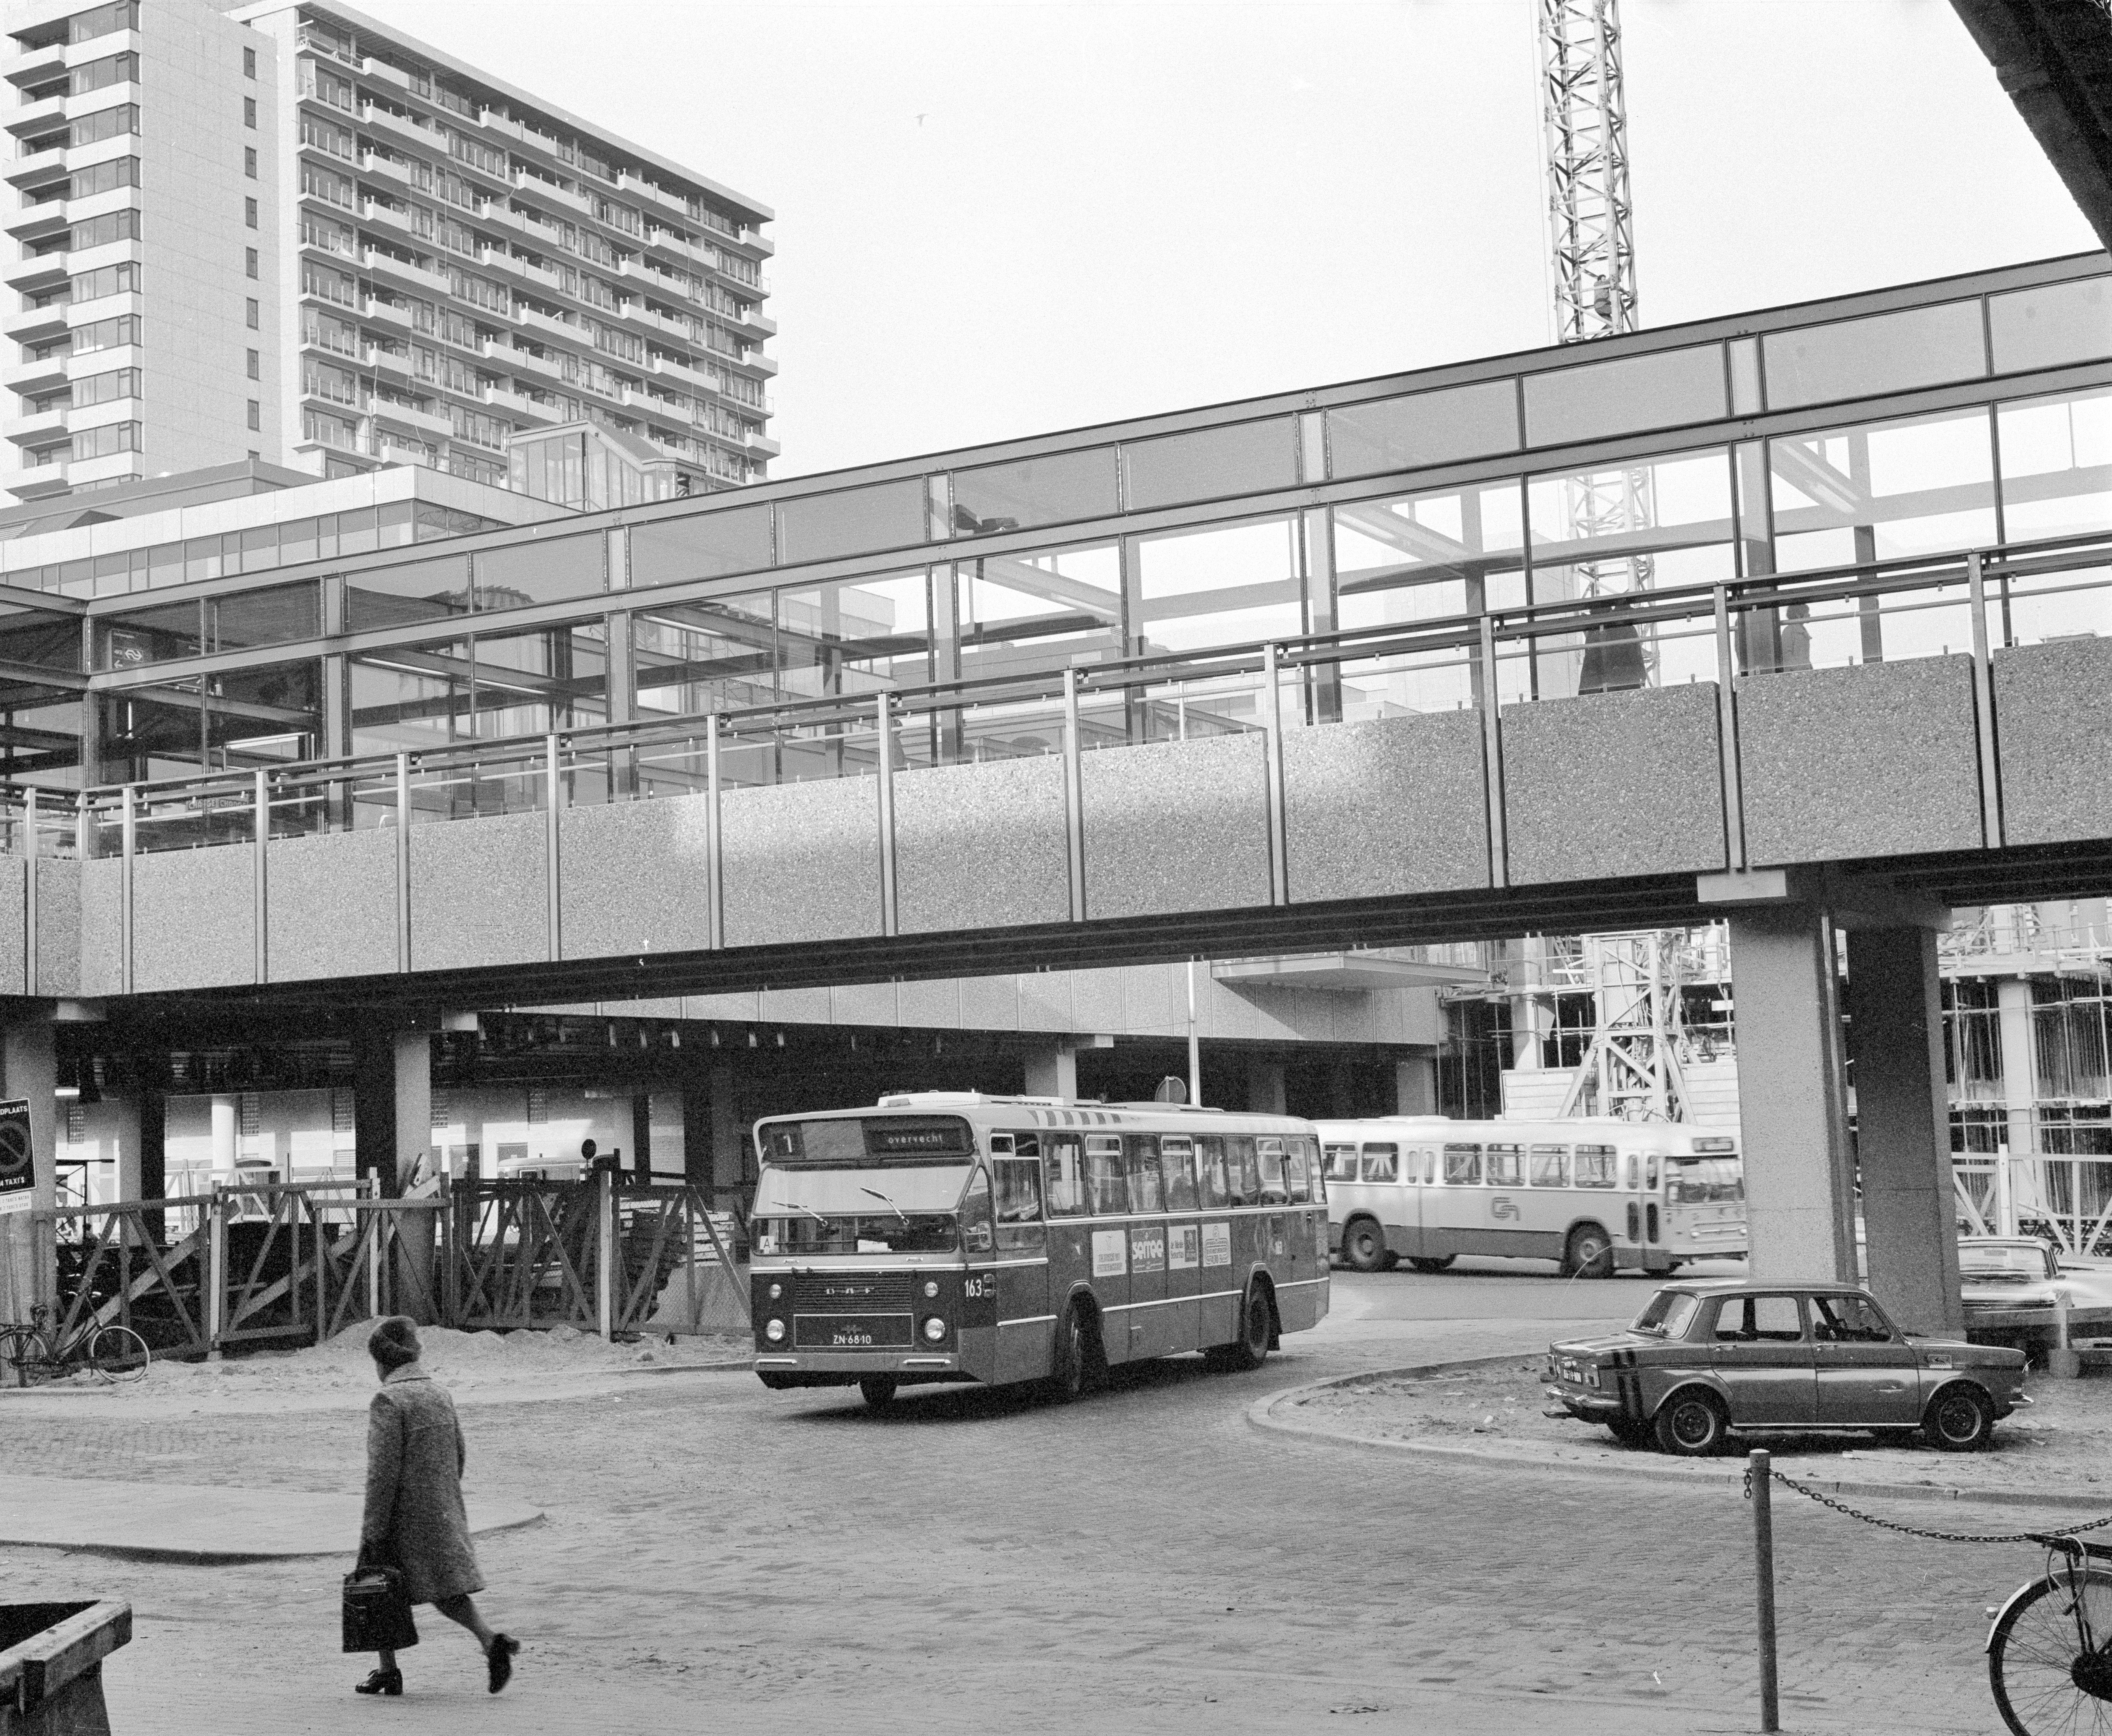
column 391, row 1104
column 728, row 1166
column 1051, row 1066
column 1265, row 1087
column 1799, row 1198
column 1415, row 1086
column 29, row 1068
column 1903, row 1127
column 225, row 1123
column 123, row 1116
column 2020, row 1089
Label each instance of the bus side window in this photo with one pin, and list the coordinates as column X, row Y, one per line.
column 1298, row 1172
column 1216, row 1185
column 1382, row 1163
column 1018, row 1200
column 1270, row 1153
column 1245, row 1173
column 1548, row 1166
column 1650, row 1172
column 1506, row 1166
column 1462, row 1165
column 1632, row 1172
column 1595, row 1166
column 1106, row 1190
column 1064, row 1176
column 1429, row 1169
column 1311, row 1149
column 1145, row 1192
column 977, row 1235
column 1177, row 1160
column 1341, row 1162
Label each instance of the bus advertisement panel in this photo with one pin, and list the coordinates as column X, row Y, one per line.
column 1598, row 1196
column 957, row 1237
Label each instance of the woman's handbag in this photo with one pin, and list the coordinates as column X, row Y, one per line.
column 377, row 1615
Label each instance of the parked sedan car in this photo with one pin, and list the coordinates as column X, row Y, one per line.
column 1708, row 1357
column 2000, row 1273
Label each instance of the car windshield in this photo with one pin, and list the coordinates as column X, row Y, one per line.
column 1668, row 1314
column 2002, row 1264
column 859, row 1212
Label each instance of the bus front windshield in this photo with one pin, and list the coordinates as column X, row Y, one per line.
column 1704, row 1181
column 891, row 1210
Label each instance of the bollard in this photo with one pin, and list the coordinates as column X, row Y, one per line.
column 2064, row 1361
column 1760, row 1484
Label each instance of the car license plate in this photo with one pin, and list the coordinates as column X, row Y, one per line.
column 851, row 1331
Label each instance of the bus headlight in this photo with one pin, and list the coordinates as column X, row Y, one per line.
column 935, row 1328
column 931, row 1289
column 776, row 1290
column 774, row 1332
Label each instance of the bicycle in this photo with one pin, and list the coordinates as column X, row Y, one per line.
column 2050, row 1651
column 35, row 1347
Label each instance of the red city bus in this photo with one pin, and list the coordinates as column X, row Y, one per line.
column 955, row 1237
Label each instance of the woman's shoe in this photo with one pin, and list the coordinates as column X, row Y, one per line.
column 499, row 1660
column 389, row 1682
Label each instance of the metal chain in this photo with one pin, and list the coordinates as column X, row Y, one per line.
column 1939, row 1536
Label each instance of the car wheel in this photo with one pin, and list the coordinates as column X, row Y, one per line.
column 1691, row 1424
column 1430, row 1263
column 1960, row 1419
column 1589, row 1253
column 878, row 1391
column 1363, row 1247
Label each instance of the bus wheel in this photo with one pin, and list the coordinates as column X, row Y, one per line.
column 879, row 1390
column 1363, row 1247
column 1257, row 1326
column 1073, row 1362
column 1431, row 1262
column 1589, row 1254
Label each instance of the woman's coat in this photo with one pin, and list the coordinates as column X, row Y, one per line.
column 415, row 1518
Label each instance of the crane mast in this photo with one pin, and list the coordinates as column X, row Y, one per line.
column 1586, row 124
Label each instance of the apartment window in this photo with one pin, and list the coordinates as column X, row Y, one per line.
column 250, row 63
column 249, row 111
column 253, row 321
column 256, row 364
column 256, row 411
column 249, row 212
column 249, row 161
column 250, row 261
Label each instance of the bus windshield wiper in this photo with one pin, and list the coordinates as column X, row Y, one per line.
column 793, row 1204
column 885, row 1201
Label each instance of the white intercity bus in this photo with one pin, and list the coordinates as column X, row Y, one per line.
column 1599, row 1196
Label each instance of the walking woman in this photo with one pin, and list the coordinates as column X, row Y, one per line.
column 415, row 1521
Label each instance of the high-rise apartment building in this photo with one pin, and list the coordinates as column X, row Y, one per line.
column 281, row 231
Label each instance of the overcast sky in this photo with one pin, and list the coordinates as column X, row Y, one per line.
column 1001, row 218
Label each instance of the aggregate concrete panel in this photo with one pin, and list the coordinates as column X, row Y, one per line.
column 102, row 926
column 797, row 1007
column 1607, row 785
column 2053, row 707
column 58, row 928
column 1047, row 1000
column 865, row 1003
column 479, row 892
column 742, row 1007
column 979, row 847
column 14, row 926
column 1875, row 760
column 930, row 1005
column 330, row 905
column 194, row 918
column 802, row 862
column 1177, row 827
column 990, row 1003
column 1395, row 805
column 634, row 877
column 1098, row 1003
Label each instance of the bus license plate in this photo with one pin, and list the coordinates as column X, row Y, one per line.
column 851, row 1331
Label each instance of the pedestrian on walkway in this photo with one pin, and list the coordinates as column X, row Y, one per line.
column 415, row 1521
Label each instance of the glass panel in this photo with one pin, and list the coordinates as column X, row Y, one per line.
column 1879, row 490
column 1595, row 1166
column 1402, row 434
column 2051, row 326
column 40, row 733
column 1177, row 1157
column 1037, row 612
column 1341, row 1162
column 1211, row 463
column 545, row 571
column 1052, row 490
column 274, row 615
column 704, row 656
column 140, row 637
column 1548, row 1166
column 1886, row 352
column 1225, row 586
column 153, row 731
column 1506, row 1165
column 1618, row 396
column 823, row 527
column 397, row 596
column 705, row 545
column 1145, row 1191
column 1463, row 1165
column 856, row 635
column 1062, row 1168
column 1211, row 1174
column 1382, row 1163
column 1744, row 353
column 260, row 547
column 411, row 700
column 1105, row 1185
column 554, row 678
column 2056, row 462
column 1244, row 1172
column 39, row 638
column 268, row 716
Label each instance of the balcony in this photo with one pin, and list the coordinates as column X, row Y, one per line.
column 390, row 315
column 381, row 72
column 33, row 324
column 518, row 404
column 399, row 131
column 39, row 66
column 535, row 320
column 374, row 214
column 542, row 367
column 389, row 269
column 383, row 360
column 38, row 222
column 35, row 430
column 31, row 378
column 34, row 481
column 380, row 168
column 37, row 169
column 37, row 117
column 422, row 422
column 653, row 196
column 695, row 379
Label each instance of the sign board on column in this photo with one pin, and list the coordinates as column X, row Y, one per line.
column 18, row 1163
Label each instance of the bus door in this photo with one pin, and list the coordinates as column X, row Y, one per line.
column 1217, row 1304
column 1457, row 1202
column 1276, row 1195
column 1377, row 1173
column 1021, row 1273
column 975, row 1324
column 1250, row 1227
column 1306, row 1240
column 1344, row 1194
column 1070, row 1238
column 1151, row 1332
column 1184, row 1240
column 1107, row 1194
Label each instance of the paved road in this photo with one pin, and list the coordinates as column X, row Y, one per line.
column 716, row 1555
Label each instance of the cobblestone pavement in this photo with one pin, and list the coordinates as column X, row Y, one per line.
column 715, row 1554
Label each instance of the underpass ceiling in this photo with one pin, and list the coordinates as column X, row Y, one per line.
column 2054, row 57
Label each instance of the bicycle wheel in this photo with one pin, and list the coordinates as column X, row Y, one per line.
column 117, row 1353
column 2046, row 1661
column 20, row 1350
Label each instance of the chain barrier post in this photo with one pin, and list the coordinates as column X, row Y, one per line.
column 1758, row 1483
